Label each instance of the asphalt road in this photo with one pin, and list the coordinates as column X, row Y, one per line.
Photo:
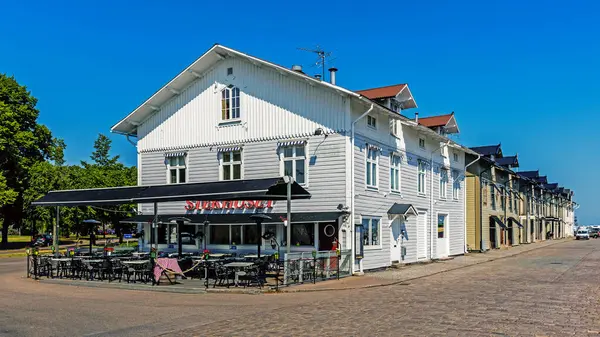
column 552, row 291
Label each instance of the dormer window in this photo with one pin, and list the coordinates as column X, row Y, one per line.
column 372, row 121
column 230, row 103
column 394, row 105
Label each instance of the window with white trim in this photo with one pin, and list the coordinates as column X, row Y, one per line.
column 293, row 162
column 230, row 103
column 371, row 232
column 455, row 155
column 443, row 183
column 455, row 185
column 372, row 121
column 421, row 177
column 395, row 161
column 231, row 165
column 372, row 167
column 176, row 170
column 422, row 143
column 394, row 127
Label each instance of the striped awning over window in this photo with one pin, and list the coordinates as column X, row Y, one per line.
column 291, row 142
column 229, row 149
column 374, row 147
column 175, row 154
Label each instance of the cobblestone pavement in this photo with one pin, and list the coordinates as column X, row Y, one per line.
column 551, row 291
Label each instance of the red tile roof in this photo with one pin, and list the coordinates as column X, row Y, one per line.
column 434, row 121
column 382, row 92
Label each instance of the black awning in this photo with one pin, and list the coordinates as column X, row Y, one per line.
column 516, row 221
column 550, row 218
column 402, row 209
column 252, row 189
column 498, row 221
column 239, row 218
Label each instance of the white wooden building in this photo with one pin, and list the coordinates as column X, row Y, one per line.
column 233, row 116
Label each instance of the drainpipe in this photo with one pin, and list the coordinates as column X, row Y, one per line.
column 432, row 229
column 352, row 234
column 465, row 199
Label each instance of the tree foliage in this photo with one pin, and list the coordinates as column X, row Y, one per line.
column 23, row 144
column 32, row 164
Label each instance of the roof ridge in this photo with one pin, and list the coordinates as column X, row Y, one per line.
column 434, row 116
column 385, row 86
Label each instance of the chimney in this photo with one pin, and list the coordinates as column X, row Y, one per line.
column 417, row 117
column 297, row 68
column 318, row 76
column 332, row 72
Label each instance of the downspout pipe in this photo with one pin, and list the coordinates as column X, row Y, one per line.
column 352, row 187
column 432, row 229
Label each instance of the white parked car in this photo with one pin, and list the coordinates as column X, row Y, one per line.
column 582, row 234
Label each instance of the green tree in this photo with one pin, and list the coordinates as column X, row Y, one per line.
column 23, row 143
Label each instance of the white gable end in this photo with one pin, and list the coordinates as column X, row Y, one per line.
column 273, row 105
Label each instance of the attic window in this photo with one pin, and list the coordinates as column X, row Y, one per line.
column 395, row 106
column 422, row 143
column 372, row 121
column 229, row 71
column 455, row 156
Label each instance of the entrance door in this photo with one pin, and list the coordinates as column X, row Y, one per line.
column 328, row 233
column 493, row 244
column 395, row 241
column 422, row 235
column 510, row 232
column 442, row 235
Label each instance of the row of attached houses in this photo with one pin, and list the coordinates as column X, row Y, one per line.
column 388, row 188
column 506, row 207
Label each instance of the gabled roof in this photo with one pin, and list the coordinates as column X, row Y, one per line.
column 552, row 186
column 530, row 174
column 129, row 124
column 447, row 121
column 489, row 150
column 383, row 92
column 542, row 179
column 510, row 161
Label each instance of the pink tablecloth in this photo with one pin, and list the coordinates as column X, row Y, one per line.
column 168, row 263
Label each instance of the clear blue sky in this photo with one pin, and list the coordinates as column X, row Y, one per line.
column 523, row 73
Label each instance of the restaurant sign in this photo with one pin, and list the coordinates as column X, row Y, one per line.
column 236, row 204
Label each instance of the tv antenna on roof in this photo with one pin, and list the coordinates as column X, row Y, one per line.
column 322, row 56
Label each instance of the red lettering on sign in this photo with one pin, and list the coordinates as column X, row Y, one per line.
column 235, row 204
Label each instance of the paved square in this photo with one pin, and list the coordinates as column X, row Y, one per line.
column 551, row 291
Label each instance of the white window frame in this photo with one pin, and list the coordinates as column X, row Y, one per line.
column 372, row 124
column 455, row 156
column 178, row 169
column 394, row 128
column 294, row 159
column 231, row 163
column 422, row 143
column 455, row 185
column 421, row 171
column 396, row 169
column 443, row 183
column 369, row 232
column 231, row 100
column 369, row 163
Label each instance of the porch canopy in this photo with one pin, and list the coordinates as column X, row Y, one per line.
column 498, row 221
column 516, row 222
column 251, row 189
column 402, row 209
